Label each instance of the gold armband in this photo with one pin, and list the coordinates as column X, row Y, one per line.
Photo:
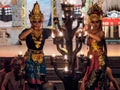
column 30, row 29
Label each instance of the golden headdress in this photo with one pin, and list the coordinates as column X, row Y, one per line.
column 36, row 14
column 95, row 13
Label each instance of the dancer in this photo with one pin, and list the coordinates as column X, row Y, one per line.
column 96, row 75
column 35, row 37
column 94, row 78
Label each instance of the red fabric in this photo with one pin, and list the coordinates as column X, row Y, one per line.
column 94, row 64
column 6, row 6
column 111, row 21
column 96, row 60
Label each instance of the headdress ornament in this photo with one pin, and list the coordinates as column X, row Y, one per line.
column 36, row 14
column 95, row 13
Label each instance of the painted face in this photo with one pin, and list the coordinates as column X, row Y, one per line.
column 36, row 24
column 95, row 24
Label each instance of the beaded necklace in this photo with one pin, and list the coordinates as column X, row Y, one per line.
column 37, row 38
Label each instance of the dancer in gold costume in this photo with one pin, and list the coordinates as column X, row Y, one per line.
column 35, row 37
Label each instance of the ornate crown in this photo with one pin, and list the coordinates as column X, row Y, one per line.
column 95, row 13
column 36, row 14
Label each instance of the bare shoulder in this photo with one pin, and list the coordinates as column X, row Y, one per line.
column 2, row 73
column 101, row 34
column 8, row 75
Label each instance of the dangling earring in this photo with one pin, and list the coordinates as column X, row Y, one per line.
column 91, row 27
column 41, row 25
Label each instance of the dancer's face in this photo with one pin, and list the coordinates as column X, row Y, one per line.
column 36, row 25
column 95, row 24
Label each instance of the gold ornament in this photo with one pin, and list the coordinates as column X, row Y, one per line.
column 36, row 13
column 37, row 58
column 95, row 13
column 94, row 17
column 37, row 39
column 37, row 44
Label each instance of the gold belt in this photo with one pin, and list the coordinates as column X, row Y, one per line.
column 37, row 58
column 37, row 55
column 35, row 51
